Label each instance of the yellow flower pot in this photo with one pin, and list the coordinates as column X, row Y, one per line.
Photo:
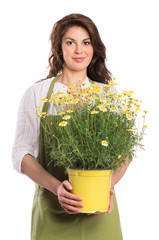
column 93, row 186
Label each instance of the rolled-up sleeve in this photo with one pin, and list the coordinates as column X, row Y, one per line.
column 27, row 130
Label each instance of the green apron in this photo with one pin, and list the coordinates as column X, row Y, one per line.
column 49, row 219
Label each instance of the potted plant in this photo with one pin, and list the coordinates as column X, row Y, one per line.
column 93, row 132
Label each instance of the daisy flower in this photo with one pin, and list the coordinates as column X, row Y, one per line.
column 66, row 117
column 104, row 143
column 63, row 123
column 103, row 109
column 69, row 111
column 94, row 112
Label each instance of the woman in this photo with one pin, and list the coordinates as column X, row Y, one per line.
column 77, row 52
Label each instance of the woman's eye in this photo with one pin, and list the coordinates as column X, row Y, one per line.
column 86, row 43
column 69, row 42
column 72, row 42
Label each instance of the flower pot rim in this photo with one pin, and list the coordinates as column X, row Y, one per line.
column 90, row 169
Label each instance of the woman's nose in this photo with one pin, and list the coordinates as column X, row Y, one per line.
column 78, row 49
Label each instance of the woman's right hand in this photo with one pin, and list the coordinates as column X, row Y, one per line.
column 67, row 200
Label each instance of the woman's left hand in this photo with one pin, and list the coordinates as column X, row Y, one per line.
column 111, row 204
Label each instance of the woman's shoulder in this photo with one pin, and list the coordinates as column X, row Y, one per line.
column 36, row 91
column 39, row 88
column 42, row 84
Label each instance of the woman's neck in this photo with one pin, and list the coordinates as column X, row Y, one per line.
column 72, row 77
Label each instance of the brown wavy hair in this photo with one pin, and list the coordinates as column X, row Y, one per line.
column 97, row 69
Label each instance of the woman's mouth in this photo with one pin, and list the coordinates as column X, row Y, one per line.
column 79, row 59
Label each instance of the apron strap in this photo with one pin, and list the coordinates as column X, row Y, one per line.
column 46, row 104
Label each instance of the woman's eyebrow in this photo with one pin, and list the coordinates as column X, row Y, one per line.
column 86, row 39
column 75, row 40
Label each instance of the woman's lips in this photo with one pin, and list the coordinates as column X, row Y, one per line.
column 79, row 59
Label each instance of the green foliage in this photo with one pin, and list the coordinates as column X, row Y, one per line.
column 76, row 139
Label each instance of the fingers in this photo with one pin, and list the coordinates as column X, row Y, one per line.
column 71, row 196
column 68, row 195
column 112, row 191
column 70, row 209
column 67, row 185
column 69, row 201
column 111, row 204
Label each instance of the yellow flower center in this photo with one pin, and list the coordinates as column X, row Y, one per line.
column 94, row 112
column 63, row 123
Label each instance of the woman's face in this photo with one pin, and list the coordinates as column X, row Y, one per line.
column 77, row 49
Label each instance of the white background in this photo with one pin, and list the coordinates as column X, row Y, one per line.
column 129, row 30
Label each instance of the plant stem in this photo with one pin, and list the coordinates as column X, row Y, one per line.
column 75, row 147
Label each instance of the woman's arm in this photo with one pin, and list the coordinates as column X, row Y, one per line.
column 38, row 174
column 116, row 176
column 25, row 147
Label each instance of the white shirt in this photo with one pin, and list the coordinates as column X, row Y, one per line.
column 28, row 125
